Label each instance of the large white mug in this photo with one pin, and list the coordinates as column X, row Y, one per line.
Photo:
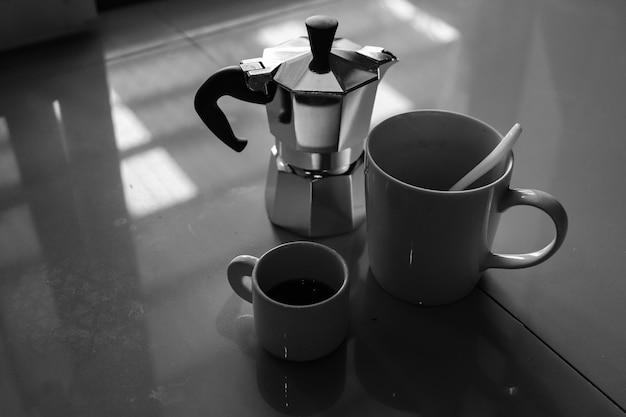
column 428, row 245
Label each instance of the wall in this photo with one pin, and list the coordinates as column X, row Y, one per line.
column 24, row 22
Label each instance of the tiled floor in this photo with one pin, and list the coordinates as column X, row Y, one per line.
column 119, row 212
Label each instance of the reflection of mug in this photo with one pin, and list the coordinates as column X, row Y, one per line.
column 428, row 245
column 458, row 359
column 302, row 388
column 299, row 294
column 410, row 358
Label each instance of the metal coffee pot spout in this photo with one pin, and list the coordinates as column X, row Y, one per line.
column 319, row 94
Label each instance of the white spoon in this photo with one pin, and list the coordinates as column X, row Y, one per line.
column 500, row 151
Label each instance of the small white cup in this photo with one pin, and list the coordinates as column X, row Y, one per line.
column 295, row 324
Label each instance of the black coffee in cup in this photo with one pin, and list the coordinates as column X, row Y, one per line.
column 300, row 291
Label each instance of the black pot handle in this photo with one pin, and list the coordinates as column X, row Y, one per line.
column 227, row 81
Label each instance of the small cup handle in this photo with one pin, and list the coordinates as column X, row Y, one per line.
column 239, row 274
column 544, row 202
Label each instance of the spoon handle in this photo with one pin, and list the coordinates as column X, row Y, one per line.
column 503, row 149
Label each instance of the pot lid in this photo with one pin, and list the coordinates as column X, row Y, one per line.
column 321, row 63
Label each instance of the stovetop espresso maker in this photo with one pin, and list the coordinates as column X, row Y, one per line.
column 319, row 94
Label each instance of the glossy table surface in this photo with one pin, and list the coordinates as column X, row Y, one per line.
column 119, row 212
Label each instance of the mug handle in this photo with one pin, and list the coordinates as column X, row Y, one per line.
column 543, row 201
column 239, row 269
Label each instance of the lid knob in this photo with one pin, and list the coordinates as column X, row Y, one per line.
column 321, row 30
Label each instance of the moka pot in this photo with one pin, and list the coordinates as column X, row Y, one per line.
column 319, row 94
